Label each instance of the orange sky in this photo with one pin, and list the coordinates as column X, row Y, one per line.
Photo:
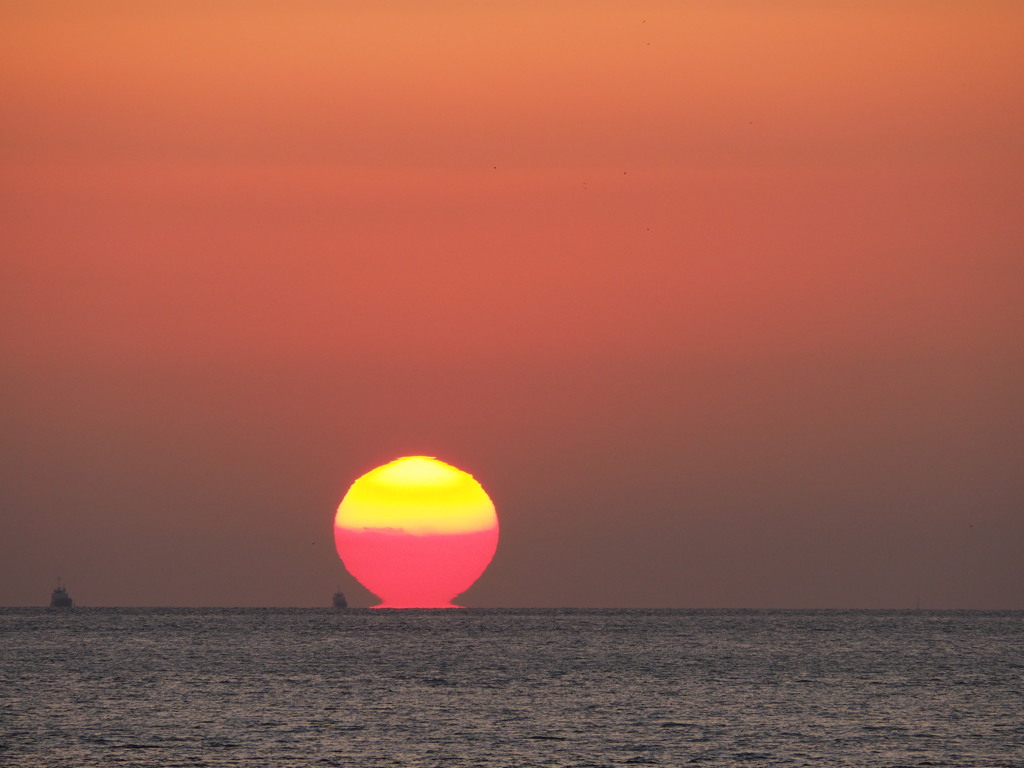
column 720, row 301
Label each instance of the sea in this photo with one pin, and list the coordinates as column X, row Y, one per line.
column 516, row 688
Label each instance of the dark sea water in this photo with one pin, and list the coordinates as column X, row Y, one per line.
column 152, row 687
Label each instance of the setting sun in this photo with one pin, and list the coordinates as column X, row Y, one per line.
column 416, row 532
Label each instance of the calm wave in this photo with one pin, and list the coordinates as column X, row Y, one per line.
column 151, row 687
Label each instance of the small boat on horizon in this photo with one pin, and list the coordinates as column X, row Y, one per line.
column 60, row 598
column 339, row 600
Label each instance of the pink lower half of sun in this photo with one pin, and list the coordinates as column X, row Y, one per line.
column 407, row 571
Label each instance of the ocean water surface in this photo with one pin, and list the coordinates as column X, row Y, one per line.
column 304, row 687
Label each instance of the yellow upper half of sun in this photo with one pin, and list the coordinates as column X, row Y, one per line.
column 418, row 495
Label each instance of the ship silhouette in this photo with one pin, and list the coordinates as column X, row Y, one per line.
column 60, row 598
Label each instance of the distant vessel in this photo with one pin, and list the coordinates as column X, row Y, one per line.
column 339, row 600
column 60, row 597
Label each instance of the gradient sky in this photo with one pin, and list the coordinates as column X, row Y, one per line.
column 722, row 302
